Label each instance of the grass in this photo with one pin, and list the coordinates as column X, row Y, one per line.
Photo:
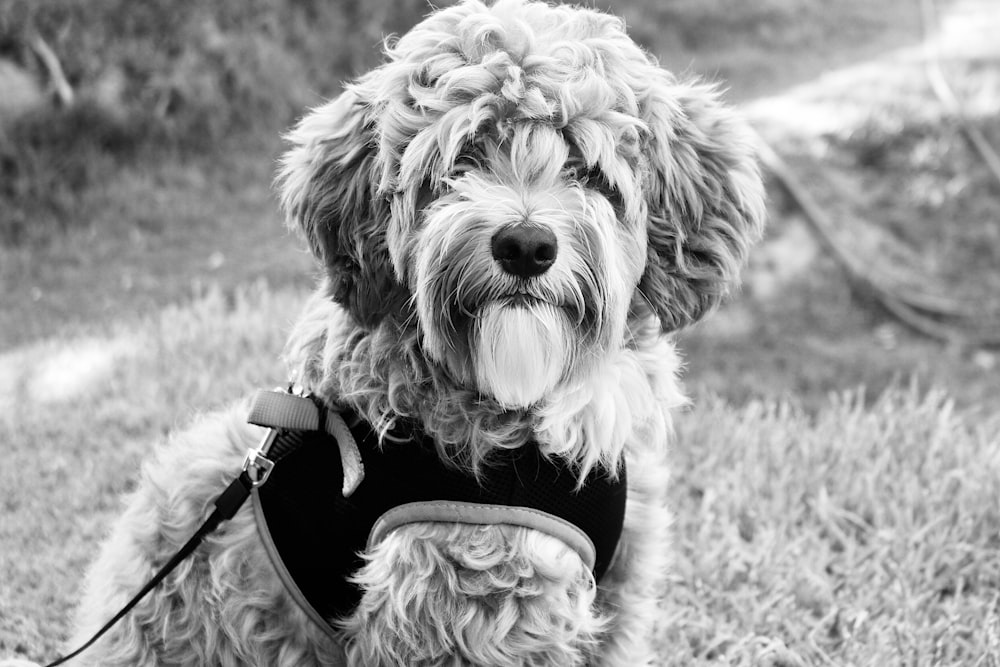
column 864, row 534
column 157, row 234
column 858, row 534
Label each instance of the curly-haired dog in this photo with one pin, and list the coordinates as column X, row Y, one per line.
column 513, row 213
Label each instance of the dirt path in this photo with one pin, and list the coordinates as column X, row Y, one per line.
column 873, row 144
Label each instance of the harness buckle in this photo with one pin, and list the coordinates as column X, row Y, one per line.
column 256, row 464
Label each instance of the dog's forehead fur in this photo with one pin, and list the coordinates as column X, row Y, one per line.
column 540, row 81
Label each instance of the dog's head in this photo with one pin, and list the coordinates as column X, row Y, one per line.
column 523, row 184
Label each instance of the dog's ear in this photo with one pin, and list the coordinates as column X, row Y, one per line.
column 705, row 200
column 329, row 190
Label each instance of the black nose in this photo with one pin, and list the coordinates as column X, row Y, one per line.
column 525, row 250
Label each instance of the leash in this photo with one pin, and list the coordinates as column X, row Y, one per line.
column 286, row 416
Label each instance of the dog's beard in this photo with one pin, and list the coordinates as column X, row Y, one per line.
column 521, row 351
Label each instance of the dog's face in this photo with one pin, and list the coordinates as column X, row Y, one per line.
column 524, row 185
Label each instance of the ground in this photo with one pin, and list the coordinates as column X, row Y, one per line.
column 836, row 481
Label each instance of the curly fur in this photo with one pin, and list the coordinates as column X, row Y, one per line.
column 482, row 119
column 482, row 596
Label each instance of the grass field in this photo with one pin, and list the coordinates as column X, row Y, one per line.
column 865, row 534
column 837, row 482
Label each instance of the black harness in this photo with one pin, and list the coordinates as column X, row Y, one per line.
column 318, row 533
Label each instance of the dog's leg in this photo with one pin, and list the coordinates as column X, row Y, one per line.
column 224, row 605
column 637, row 580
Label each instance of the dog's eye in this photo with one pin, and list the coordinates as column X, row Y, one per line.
column 463, row 163
column 595, row 179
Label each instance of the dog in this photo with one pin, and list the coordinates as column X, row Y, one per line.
column 513, row 214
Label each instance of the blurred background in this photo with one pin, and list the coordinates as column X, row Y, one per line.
column 145, row 273
column 138, row 140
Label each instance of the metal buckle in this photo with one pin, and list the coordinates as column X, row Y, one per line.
column 256, row 464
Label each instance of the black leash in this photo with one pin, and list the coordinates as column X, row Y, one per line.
column 226, row 506
column 286, row 415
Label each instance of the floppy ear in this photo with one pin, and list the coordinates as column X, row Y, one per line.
column 328, row 190
column 705, row 199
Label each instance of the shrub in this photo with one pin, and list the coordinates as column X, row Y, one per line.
column 168, row 75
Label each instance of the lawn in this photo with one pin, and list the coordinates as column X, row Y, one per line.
column 836, row 491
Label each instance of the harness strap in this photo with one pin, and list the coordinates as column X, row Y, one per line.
column 456, row 511
column 276, row 409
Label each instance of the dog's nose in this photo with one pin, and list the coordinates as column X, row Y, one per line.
column 525, row 250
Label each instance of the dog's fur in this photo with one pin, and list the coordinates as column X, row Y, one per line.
column 482, row 118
